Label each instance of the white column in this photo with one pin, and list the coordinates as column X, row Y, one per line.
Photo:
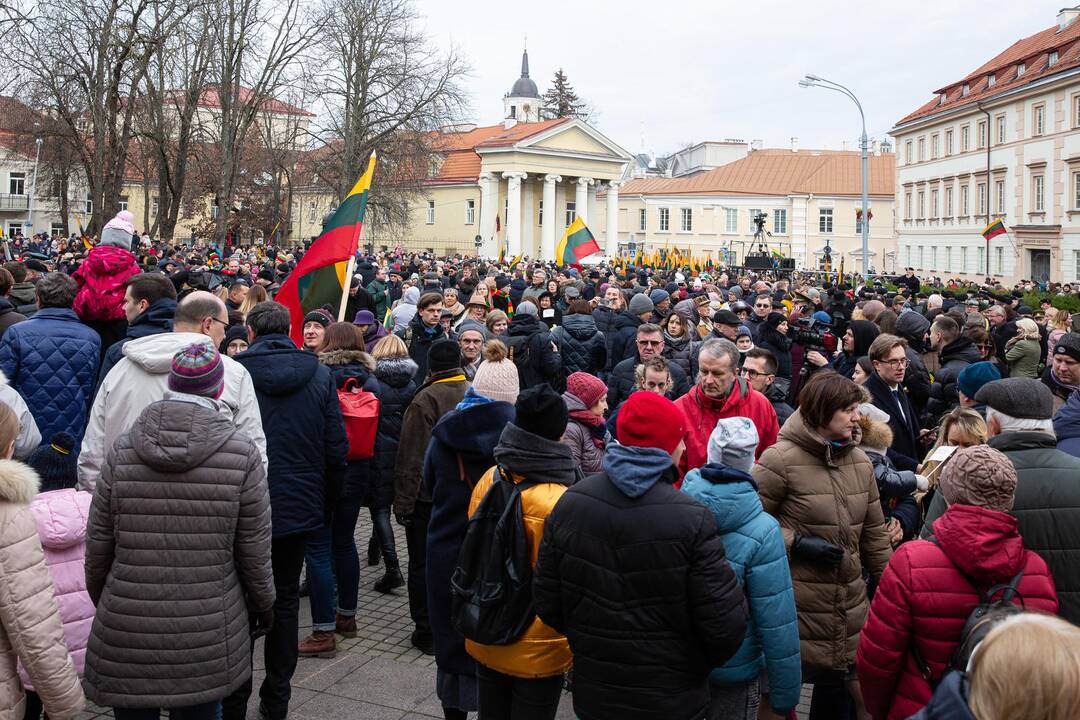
column 551, row 214
column 528, row 219
column 612, row 248
column 513, row 212
column 489, row 199
column 581, row 201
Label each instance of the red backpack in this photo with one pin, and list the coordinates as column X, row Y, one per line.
column 361, row 412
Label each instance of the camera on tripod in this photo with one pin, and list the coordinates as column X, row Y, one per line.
column 759, row 223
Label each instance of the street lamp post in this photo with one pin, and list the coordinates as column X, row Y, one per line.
column 864, row 146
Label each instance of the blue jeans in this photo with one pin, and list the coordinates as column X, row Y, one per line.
column 331, row 553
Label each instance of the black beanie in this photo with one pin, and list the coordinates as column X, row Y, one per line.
column 443, row 355
column 541, row 411
column 56, row 463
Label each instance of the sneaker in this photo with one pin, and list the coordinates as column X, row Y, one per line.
column 374, row 552
column 346, row 626
column 319, row 644
column 423, row 643
column 391, row 579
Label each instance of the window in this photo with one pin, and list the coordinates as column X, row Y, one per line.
column 154, row 205
column 922, row 149
column 311, row 211
column 686, row 219
column 1000, row 124
column 921, row 264
column 1076, row 192
column 934, row 203
column 981, row 190
column 922, row 205
column 433, row 167
column 982, row 260
column 215, row 211
column 1052, row 59
column 933, row 257
column 982, row 134
column 999, row 259
column 56, row 229
column 642, row 219
column 88, row 204
column 17, row 183
column 779, row 223
column 991, row 80
column 123, row 202
column 1038, row 126
column 999, row 195
column 825, row 220
column 571, row 213
column 665, row 219
column 731, row 220
column 965, row 138
column 948, row 142
column 1020, row 68
column 963, row 259
column 470, row 212
column 1076, row 263
column 430, row 212
column 907, row 205
column 1038, row 187
column 964, row 204
column 907, row 152
column 935, row 144
column 513, row 111
column 540, row 214
column 948, row 203
column 965, row 90
column 754, row 212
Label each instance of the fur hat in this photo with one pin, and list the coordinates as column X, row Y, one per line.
column 733, row 442
column 497, row 377
column 443, row 355
column 980, row 476
column 118, row 231
column 541, row 411
column 586, row 388
column 650, row 420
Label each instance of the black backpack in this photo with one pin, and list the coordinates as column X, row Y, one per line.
column 491, row 588
column 980, row 621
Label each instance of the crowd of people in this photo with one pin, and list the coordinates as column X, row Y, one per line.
column 724, row 486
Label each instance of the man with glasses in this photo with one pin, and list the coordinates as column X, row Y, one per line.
column 649, row 343
column 760, row 312
column 888, row 354
column 141, row 377
column 759, row 369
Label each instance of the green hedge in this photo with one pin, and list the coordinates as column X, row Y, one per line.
column 1070, row 303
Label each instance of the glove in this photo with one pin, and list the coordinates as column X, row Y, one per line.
column 922, row 483
column 403, row 520
column 817, row 550
column 263, row 622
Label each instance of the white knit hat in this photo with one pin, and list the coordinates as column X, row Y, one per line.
column 497, row 376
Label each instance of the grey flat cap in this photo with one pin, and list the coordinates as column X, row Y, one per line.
column 1019, row 397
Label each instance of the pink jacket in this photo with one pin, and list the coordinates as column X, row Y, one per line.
column 101, row 280
column 61, row 517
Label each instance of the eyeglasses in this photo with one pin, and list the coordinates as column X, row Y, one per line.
column 223, row 322
column 901, row 363
column 754, row 374
column 763, row 307
column 650, row 343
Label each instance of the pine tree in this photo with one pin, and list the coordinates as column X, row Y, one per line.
column 561, row 98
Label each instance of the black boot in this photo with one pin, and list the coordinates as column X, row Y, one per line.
column 374, row 552
column 391, row 579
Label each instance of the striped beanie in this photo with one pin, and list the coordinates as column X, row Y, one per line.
column 198, row 370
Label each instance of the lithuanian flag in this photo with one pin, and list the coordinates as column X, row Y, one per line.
column 995, row 228
column 320, row 277
column 577, row 243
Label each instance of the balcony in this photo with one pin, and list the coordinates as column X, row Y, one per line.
column 14, row 203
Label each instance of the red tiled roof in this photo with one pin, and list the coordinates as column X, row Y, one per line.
column 462, row 163
column 209, row 99
column 779, row 172
column 1033, row 51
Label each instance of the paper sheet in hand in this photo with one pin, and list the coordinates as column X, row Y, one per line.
column 942, row 453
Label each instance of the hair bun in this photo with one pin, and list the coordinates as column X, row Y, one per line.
column 495, row 351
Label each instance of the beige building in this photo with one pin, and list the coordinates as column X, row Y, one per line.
column 1003, row 142
column 811, row 199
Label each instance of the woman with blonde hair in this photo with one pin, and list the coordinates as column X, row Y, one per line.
column 255, row 295
column 1058, row 323
column 1023, row 351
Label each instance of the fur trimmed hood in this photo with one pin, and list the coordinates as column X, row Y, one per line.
column 18, row 483
column 348, row 357
column 875, row 435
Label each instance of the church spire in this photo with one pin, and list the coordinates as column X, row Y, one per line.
column 525, row 63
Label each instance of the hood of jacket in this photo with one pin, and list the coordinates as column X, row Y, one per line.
column 982, row 543
column 912, row 326
column 523, row 326
column 474, row 432
column 573, row 403
column 580, row 327
column 864, row 332
column 277, row 366
column 374, row 333
column 796, row 430
column 731, row 494
column 410, row 296
column 536, row 458
column 25, row 293
column 18, row 483
column 154, row 353
column 875, row 435
column 61, row 517
column 950, row 700
column 634, row 470
column 335, row 358
column 395, row 371
column 176, row 435
column 777, row 392
column 962, row 350
column 6, row 306
column 1067, row 419
column 155, row 319
column 107, row 260
column 623, row 319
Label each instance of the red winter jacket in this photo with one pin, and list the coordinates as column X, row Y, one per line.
column 923, row 598
column 702, row 413
column 101, row 280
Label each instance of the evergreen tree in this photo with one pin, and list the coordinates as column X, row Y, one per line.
column 561, row 99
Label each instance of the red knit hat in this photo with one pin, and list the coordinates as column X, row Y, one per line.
column 586, row 388
column 650, row 420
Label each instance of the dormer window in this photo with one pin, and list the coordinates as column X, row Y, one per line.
column 965, row 89
column 1052, row 59
column 1020, row 68
column 991, row 80
column 943, row 98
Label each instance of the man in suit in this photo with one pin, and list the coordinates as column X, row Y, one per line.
column 888, row 353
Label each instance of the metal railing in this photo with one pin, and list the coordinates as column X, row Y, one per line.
column 14, row 202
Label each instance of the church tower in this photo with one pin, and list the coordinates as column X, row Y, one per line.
column 523, row 101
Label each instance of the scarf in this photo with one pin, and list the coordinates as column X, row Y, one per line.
column 594, row 423
column 1070, row 388
column 535, row 458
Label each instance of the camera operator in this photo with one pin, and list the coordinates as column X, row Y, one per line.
column 813, row 342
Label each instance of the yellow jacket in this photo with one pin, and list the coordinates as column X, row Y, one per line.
column 540, row 652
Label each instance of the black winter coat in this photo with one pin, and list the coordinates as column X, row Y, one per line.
column 624, row 345
column 396, row 390
column 605, row 324
column 906, row 452
column 419, row 341
column 361, row 476
column 780, row 346
column 581, row 346
column 682, row 351
column 306, row 445
column 642, row 591
column 621, row 381
column 954, row 357
column 527, row 335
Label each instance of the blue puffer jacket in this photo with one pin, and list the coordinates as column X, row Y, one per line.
column 755, row 549
column 1067, row 426
column 306, row 443
column 51, row 359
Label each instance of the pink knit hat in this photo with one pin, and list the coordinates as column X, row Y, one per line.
column 981, row 476
column 586, row 388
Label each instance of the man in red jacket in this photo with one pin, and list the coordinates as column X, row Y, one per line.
column 720, row 393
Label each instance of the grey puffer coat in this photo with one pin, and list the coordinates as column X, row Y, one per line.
column 578, row 437
column 177, row 555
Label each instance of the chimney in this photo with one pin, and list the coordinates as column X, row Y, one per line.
column 509, row 123
column 794, row 144
column 1066, row 16
column 843, row 145
column 874, row 147
column 756, row 144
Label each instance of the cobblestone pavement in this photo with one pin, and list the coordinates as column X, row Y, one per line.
column 378, row 675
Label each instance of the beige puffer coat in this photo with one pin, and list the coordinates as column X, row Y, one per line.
column 177, row 556
column 814, row 488
column 30, row 625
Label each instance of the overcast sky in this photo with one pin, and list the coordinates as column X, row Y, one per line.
column 681, row 71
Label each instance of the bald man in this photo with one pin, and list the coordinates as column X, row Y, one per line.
column 141, row 377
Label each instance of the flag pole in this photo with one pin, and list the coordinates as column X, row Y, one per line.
column 350, row 267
